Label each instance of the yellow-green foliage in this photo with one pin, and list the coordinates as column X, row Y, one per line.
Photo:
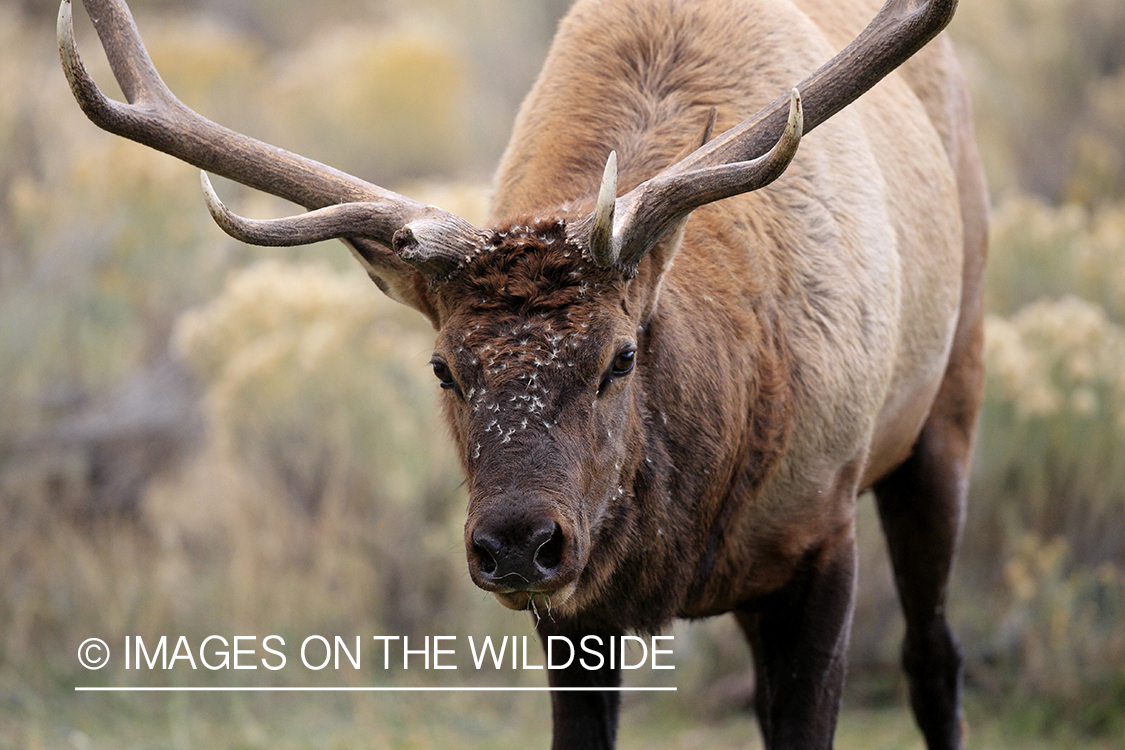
column 1058, row 359
column 1051, row 600
column 1049, row 506
column 1055, row 359
column 1046, row 525
column 93, row 227
column 1041, row 251
column 1057, row 644
column 1049, row 79
column 315, row 376
column 390, row 96
column 342, row 509
column 318, row 392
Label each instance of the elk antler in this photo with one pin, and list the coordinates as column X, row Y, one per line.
column 393, row 229
column 638, row 220
column 666, row 198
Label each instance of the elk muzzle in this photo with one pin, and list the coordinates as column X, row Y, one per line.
column 517, row 555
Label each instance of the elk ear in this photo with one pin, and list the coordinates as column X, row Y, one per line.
column 409, row 287
column 665, row 250
column 654, row 267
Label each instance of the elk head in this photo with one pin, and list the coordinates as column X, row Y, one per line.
column 537, row 343
column 539, row 348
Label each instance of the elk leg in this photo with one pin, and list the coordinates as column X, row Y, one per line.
column 588, row 718
column 921, row 505
column 799, row 638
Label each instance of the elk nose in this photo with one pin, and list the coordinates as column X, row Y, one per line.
column 516, row 558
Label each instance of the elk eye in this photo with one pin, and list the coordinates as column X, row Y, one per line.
column 443, row 374
column 623, row 363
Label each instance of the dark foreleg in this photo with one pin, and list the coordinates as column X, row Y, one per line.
column 921, row 506
column 799, row 636
column 583, row 717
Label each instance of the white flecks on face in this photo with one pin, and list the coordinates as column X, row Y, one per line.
column 513, row 388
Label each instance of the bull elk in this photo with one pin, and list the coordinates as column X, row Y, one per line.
column 667, row 384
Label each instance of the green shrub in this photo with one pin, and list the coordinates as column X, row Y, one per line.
column 317, row 388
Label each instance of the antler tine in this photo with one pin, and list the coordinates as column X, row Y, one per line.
column 654, row 206
column 156, row 118
column 436, row 245
column 328, row 223
column 128, row 58
column 662, row 201
column 602, row 247
column 899, row 29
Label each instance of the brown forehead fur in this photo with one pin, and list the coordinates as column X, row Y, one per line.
column 527, row 270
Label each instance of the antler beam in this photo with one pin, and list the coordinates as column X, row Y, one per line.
column 644, row 215
column 154, row 117
column 898, row 31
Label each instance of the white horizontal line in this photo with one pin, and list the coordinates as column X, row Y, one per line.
column 368, row 689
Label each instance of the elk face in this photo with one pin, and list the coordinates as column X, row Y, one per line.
column 537, row 357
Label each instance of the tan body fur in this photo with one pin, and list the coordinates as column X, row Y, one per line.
column 858, row 251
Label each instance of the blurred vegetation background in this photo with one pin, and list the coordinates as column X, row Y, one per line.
column 198, row 437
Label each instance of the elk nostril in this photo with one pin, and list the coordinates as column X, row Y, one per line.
column 514, row 556
column 549, row 554
column 485, row 549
